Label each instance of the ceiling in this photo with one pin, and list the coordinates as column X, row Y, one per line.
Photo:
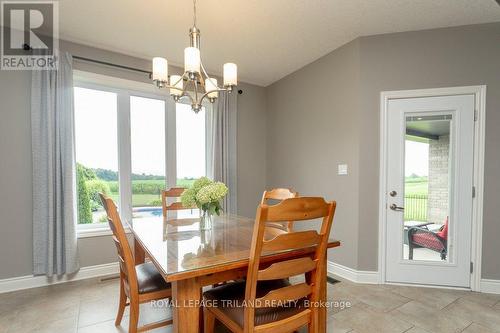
column 268, row 39
column 428, row 128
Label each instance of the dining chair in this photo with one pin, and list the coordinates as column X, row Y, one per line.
column 174, row 192
column 267, row 301
column 138, row 283
column 280, row 194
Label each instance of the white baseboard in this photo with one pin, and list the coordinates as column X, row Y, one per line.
column 490, row 286
column 353, row 275
column 27, row 282
column 30, row 281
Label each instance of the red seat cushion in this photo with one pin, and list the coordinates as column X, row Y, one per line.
column 428, row 240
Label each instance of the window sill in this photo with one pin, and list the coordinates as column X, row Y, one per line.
column 97, row 232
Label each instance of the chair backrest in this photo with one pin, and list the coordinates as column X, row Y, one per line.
column 443, row 232
column 280, row 194
column 174, row 192
column 125, row 257
column 296, row 209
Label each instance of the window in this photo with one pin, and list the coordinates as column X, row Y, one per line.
column 147, row 135
column 96, row 152
column 131, row 141
column 191, row 144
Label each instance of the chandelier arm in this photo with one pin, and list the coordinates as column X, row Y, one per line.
column 208, row 92
column 186, row 94
column 185, row 87
column 195, row 84
column 209, row 78
column 173, row 85
column 203, row 68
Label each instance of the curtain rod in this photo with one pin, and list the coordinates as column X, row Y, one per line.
column 100, row 62
column 27, row 47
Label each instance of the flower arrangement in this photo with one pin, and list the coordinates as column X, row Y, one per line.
column 206, row 195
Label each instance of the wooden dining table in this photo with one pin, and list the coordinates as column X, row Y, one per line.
column 191, row 259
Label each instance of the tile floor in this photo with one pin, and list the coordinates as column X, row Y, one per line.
column 90, row 307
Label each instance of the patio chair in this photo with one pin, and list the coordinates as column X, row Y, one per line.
column 432, row 240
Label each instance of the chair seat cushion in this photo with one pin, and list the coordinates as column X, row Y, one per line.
column 149, row 279
column 229, row 298
column 428, row 241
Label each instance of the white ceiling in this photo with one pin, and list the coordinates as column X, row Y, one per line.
column 268, row 39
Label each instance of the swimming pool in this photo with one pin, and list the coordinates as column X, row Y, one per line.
column 140, row 212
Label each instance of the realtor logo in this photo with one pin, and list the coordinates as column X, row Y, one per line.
column 30, row 35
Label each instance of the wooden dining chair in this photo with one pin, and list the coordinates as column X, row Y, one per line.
column 138, row 283
column 272, row 303
column 280, row 194
column 174, row 192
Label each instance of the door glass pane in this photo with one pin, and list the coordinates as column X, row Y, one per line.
column 147, row 137
column 96, row 152
column 190, row 148
column 427, row 188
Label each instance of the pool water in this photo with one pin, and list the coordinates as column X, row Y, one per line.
column 142, row 212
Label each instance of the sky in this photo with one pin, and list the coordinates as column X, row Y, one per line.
column 416, row 158
column 97, row 142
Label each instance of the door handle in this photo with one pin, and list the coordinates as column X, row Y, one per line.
column 396, row 208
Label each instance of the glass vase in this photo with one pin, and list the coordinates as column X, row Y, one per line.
column 206, row 220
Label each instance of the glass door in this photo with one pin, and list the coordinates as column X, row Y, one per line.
column 429, row 181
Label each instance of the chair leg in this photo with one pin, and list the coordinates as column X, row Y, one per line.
column 209, row 321
column 121, row 306
column 134, row 316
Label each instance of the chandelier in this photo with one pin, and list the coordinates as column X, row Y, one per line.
column 195, row 83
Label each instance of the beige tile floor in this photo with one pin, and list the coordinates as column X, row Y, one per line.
column 90, row 307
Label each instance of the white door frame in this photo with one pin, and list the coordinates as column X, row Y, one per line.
column 479, row 93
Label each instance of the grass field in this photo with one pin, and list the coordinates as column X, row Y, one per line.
column 416, row 185
column 138, row 200
column 420, row 188
column 141, row 199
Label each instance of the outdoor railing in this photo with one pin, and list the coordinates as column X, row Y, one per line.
column 416, row 207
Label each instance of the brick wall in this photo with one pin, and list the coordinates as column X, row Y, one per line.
column 439, row 155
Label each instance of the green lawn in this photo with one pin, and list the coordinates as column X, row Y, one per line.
column 146, row 199
column 420, row 188
column 138, row 200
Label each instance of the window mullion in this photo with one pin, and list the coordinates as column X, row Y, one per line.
column 209, row 166
column 170, row 146
column 124, row 159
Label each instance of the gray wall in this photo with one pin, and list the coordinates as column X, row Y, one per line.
column 460, row 56
column 293, row 133
column 16, row 167
column 312, row 127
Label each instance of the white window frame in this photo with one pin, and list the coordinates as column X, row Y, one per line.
column 124, row 90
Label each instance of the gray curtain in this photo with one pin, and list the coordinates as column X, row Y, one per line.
column 54, row 214
column 223, row 166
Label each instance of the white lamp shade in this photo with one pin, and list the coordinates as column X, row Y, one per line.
column 230, row 74
column 160, row 69
column 211, row 87
column 176, row 81
column 192, row 59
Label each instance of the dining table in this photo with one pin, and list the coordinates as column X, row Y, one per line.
column 190, row 259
